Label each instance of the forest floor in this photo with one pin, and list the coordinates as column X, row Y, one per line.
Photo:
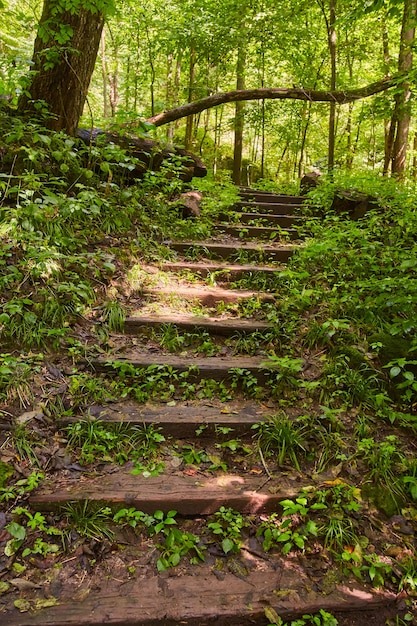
column 202, row 479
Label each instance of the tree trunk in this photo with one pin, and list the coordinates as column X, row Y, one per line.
column 62, row 70
column 104, row 75
column 332, row 112
column 239, row 112
column 190, row 118
column 402, row 112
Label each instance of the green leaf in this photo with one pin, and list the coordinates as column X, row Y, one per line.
column 394, row 371
column 227, row 545
column 16, row 530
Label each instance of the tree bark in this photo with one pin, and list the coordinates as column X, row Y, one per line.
column 340, row 97
column 62, row 70
column 402, row 112
column 332, row 112
column 190, row 120
column 239, row 111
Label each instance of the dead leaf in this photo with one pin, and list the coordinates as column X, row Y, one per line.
column 23, row 585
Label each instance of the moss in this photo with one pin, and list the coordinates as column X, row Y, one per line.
column 392, row 347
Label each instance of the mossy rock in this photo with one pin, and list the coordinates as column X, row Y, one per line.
column 355, row 357
column 383, row 498
column 6, row 471
column 393, row 347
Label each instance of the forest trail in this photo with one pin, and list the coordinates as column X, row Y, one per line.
column 229, row 586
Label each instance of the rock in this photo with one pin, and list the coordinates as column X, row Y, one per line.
column 150, row 154
column 309, row 181
column 352, row 202
column 189, row 203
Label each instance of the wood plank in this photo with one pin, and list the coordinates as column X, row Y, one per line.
column 270, row 196
column 217, row 367
column 284, row 221
column 256, row 232
column 208, row 296
column 274, row 208
column 182, row 420
column 223, row 271
column 272, row 253
column 225, row 327
column 203, row 599
column 188, row 495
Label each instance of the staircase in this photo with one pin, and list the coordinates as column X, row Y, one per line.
column 233, row 589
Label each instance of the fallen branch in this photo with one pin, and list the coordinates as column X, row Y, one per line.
column 295, row 93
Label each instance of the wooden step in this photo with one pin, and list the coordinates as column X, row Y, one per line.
column 220, row 271
column 208, row 596
column 207, row 296
column 225, row 327
column 224, row 251
column 217, row 367
column 266, row 196
column 257, row 232
column 273, row 208
column 284, row 221
column 188, row 495
column 182, row 420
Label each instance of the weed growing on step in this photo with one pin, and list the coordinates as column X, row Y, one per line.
column 87, row 520
column 97, row 441
column 16, row 377
column 19, row 489
column 282, row 439
column 289, row 530
column 114, row 315
column 228, row 525
column 322, row 618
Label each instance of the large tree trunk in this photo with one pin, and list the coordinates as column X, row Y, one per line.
column 64, row 56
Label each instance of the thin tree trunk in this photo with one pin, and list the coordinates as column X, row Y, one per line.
column 152, row 67
column 332, row 112
column 104, row 75
column 190, row 118
column 113, row 77
column 415, row 156
column 239, row 112
column 169, row 96
column 403, row 105
column 389, row 124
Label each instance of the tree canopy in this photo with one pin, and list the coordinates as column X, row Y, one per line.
column 189, row 59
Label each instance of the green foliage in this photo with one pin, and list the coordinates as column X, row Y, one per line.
column 281, row 438
column 228, row 525
column 88, row 520
column 117, row 442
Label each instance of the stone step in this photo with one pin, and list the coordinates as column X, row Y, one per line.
column 206, row 296
column 273, row 208
column 183, row 419
column 256, row 232
column 208, row 596
column 224, row 327
column 188, row 495
column 284, row 221
column 224, row 251
column 219, row 271
column 217, row 368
